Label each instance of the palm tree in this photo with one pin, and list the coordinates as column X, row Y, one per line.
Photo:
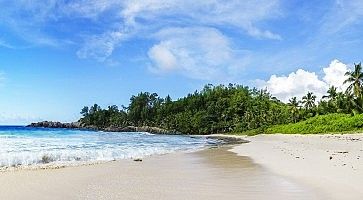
column 332, row 93
column 353, row 104
column 309, row 100
column 294, row 105
column 342, row 102
column 294, row 102
column 355, row 80
column 332, row 103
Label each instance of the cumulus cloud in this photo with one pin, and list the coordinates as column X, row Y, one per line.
column 295, row 84
column 199, row 52
column 298, row 83
column 334, row 74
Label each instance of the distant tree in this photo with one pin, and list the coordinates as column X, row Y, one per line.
column 214, row 109
column 355, row 79
column 294, row 108
column 84, row 111
column 309, row 100
column 332, row 93
column 95, row 108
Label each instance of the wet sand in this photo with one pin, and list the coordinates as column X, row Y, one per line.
column 210, row 174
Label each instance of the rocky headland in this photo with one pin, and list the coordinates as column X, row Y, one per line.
column 78, row 125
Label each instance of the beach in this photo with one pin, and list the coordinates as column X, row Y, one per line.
column 209, row 174
column 332, row 164
column 268, row 167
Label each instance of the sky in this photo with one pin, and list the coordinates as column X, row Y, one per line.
column 57, row 56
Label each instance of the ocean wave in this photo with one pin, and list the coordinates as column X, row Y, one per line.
column 68, row 147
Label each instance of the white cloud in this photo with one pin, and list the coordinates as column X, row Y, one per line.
column 239, row 14
column 141, row 17
column 334, row 74
column 5, row 44
column 100, row 47
column 199, row 52
column 138, row 14
column 295, row 84
column 298, row 83
column 162, row 57
column 89, row 8
column 343, row 14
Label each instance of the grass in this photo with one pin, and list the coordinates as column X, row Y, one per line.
column 331, row 123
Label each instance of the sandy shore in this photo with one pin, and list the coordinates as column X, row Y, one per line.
column 269, row 167
column 210, row 174
column 332, row 164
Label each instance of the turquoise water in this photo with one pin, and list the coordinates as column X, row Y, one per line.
column 22, row 146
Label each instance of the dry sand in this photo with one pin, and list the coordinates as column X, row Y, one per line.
column 277, row 167
column 332, row 164
column 210, row 174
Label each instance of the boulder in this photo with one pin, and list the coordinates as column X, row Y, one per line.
column 78, row 125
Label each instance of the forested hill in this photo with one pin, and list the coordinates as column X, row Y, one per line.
column 225, row 109
column 215, row 109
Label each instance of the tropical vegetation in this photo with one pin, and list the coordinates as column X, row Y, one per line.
column 238, row 109
column 331, row 123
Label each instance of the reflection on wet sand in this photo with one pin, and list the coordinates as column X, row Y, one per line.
column 209, row 174
column 243, row 179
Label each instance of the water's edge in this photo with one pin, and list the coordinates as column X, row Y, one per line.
column 44, row 148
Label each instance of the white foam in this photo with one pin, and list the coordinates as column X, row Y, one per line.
column 71, row 147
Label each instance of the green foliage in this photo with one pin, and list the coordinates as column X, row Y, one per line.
column 101, row 118
column 215, row 109
column 238, row 109
column 330, row 123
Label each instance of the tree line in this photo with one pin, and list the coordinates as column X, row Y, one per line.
column 224, row 109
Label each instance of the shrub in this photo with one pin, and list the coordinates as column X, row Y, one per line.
column 331, row 123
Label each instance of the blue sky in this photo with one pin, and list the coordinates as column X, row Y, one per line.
column 57, row 56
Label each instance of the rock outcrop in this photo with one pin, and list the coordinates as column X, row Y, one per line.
column 224, row 139
column 50, row 124
column 78, row 125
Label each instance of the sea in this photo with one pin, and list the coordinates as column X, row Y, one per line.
column 22, row 146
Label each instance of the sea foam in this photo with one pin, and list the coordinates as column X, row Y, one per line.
column 21, row 146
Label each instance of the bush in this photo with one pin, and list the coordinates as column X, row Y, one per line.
column 331, row 123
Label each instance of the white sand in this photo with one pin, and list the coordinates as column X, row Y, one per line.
column 207, row 175
column 277, row 167
column 332, row 164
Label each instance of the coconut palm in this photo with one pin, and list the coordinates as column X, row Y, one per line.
column 355, row 80
column 342, row 102
column 294, row 108
column 353, row 104
column 332, row 104
column 294, row 102
column 332, row 93
column 309, row 100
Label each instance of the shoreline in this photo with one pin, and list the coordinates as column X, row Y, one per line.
column 214, row 173
column 330, row 163
column 219, row 141
column 287, row 166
